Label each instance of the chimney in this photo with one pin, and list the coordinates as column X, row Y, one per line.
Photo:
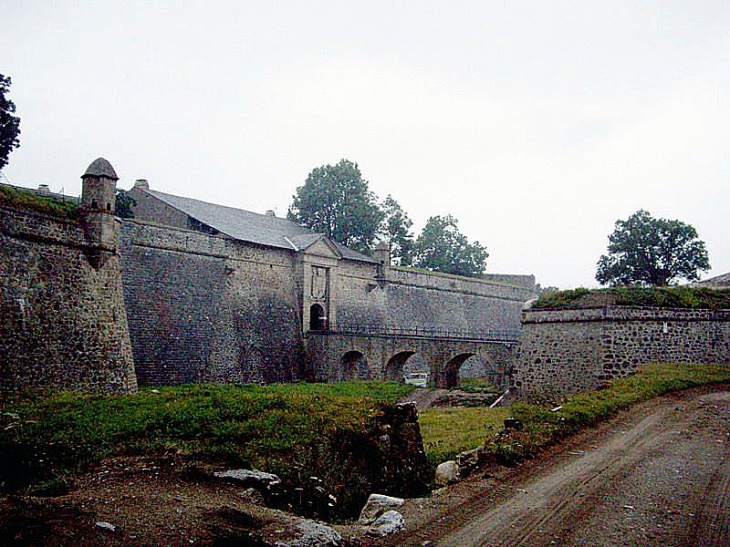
column 142, row 183
column 270, row 213
column 44, row 190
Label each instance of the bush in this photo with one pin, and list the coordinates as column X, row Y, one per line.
column 661, row 297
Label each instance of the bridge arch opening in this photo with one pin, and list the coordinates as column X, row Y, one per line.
column 317, row 318
column 407, row 366
column 354, row 366
column 475, row 372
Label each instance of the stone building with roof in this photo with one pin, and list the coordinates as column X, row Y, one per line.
column 219, row 294
column 717, row 282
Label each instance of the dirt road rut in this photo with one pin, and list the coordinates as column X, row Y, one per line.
column 656, row 475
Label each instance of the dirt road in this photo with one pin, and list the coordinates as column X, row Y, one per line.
column 658, row 474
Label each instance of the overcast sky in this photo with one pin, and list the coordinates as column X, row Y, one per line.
column 537, row 124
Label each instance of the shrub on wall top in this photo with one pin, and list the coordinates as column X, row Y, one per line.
column 660, row 297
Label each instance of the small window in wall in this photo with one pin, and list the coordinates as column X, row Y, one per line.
column 317, row 319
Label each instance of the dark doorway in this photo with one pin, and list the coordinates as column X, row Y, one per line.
column 317, row 319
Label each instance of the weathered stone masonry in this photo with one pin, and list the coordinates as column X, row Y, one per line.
column 204, row 308
column 62, row 317
column 408, row 300
column 207, row 308
column 219, row 294
column 566, row 351
column 198, row 292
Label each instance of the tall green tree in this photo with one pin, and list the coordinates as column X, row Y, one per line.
column 336, row 201
column 9, row 124
column 396, row 230
column 651, row 251
column 442, row 247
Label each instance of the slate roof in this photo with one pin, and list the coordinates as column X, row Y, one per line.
column 244, row 225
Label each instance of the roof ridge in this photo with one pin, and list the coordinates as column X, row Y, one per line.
column 154, row 192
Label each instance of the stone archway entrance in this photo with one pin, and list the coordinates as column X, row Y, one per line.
column 475, row 368
column 408, row 366
column 317, row 318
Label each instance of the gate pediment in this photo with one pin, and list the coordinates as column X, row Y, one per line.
column 323, row 248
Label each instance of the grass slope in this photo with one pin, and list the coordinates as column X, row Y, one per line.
column 542, row 427
column 448, row 431
column 21, row 199
column 291, row 430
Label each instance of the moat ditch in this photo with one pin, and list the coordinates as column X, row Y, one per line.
column 161, row 488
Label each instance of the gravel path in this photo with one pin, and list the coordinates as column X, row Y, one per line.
column 658, row 474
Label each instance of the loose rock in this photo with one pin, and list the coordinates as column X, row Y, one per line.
column 249, row 477
column 388, row 523
column 313, row 534
column 106, row 526
column 467, row 462
column 376, row 505
column 447, row 473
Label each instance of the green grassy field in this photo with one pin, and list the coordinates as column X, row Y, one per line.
column 448, row 431
column 285, row 429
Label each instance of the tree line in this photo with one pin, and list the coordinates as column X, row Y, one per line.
column 336, row 200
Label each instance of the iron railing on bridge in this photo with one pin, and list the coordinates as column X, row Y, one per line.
column 486, row 335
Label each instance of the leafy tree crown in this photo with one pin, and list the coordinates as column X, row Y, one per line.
column 124, row 204
column 396, row 231
column 651, row 251
column 442, row 247
column 336, row 201
column 9, row 124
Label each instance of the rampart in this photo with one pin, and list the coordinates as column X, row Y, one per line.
column 205, row 308
column 101, row 303
column 62, row 317
column 565, row 351
column 409, row 299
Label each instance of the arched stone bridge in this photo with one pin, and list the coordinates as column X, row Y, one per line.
column 381, row 354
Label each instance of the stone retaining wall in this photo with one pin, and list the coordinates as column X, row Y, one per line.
column 567, row 351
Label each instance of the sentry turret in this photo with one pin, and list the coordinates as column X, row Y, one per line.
column 98, row 197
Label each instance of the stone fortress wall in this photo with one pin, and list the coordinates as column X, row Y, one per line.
column 410, row 299
column 62, row 317
column 204, row 308
column 565, row 351
column 87, row 304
